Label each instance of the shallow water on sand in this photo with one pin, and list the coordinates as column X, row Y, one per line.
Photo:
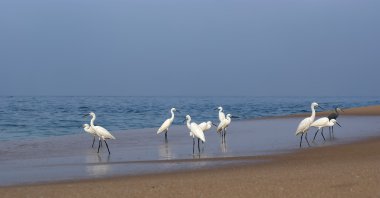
column 142, row 151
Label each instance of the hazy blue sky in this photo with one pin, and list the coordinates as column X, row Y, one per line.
column 190, row 47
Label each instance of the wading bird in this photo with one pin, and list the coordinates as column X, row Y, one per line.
column 321, row 123
column 195, row 131
column 222, row 127
column 91, row 131
column 304, row 125
column 101, row 132
column 165, row 126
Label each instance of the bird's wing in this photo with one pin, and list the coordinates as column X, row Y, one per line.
column 220, row 126
column 320, row 122
column 304, row 124
column 104, row 133
column 197, row 131
column 164, row 126
column 203, row 125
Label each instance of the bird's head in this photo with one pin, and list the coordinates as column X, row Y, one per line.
column 314, row 105
column 174, row 109
column 229, row 115
column 187, row 118
column 335, row 122
column 86, row 126
column 337, row 109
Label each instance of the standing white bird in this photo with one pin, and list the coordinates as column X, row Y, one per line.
column 91, row 131
column 321, row 123
column 304, row 125
column 100, row 131
column 195, row 131
column 221, row 114
column 222, row 127
column 165, row 126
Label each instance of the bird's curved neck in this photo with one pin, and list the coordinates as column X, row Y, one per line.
column 172, row 118
column 312, row 113
column 92, row 120
column 336, row 111
column 188, row 123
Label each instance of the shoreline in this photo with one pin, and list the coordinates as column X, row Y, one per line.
column 279, row 174
column 349, row 152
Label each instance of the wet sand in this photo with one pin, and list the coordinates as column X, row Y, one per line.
column 344, row 169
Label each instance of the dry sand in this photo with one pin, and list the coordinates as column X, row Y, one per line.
column 351, row 170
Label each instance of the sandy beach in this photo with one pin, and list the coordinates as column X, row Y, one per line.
column 341, row 170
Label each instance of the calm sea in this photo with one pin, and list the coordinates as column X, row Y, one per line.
column 26, row 117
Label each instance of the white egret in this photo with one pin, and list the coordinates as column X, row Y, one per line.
column 91, row 131
column 195, row 131
column 335, row 116
column 304, row 125
column 100, row 131
column 321, row 123
column 222, row 127
column 165, row 126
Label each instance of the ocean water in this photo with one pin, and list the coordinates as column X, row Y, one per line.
column 28, row 117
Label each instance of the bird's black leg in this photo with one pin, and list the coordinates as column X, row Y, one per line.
column 301, row 140
column 307, row 140
column 332, row 132
column 100, row 141
column 107, row 147
column 199, row 149
column 315, row 135
column 323, row 135
column 93, row 141
column 166, row 135
column 193, row 145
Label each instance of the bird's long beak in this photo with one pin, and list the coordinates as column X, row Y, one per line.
column 321, row 107
column 213, row 124
column 235, row 117
column 216, row 109
column 177, row 111
column 184, row 121
column 338, row 124
column 85, row 115
column 342, row 110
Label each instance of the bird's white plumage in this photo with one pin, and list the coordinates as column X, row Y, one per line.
column 321, row 122
column 103, row 133
column 88, row 129
column 168, row 122
column 100, row 131
column 205, row 126
column 224, row 123
column 304, row 125
column 195, row 130
column 221, row 114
